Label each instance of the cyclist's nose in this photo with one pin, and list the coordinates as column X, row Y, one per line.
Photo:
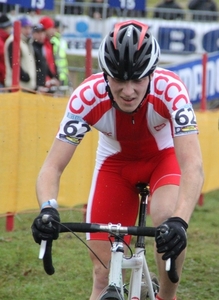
column 128, row 88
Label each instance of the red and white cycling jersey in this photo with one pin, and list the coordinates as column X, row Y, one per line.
column 132, row 148
column 165, row 113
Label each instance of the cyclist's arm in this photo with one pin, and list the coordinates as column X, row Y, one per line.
column 47, row 185
column 189, row 157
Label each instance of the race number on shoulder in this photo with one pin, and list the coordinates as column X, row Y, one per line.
column 72, row 129
column 184, row 121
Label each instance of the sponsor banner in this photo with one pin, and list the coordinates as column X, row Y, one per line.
column 178, row 39
column 34, row 4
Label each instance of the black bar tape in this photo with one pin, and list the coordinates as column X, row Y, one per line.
column 47, row 259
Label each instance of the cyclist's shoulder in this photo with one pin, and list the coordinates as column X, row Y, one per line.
column 92, row 89
column 167, row 88
column 90, row 99
column 93, row 80
column 167, row 74
column 166, row 80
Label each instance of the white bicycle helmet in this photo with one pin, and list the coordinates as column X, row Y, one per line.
column 129, row 51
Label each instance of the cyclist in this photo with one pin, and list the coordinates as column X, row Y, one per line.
column 147, row 133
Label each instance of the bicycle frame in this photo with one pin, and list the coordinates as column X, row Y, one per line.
column 138, row 265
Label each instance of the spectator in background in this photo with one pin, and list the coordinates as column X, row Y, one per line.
column 205, row 6
column 165, row 10
column 27, row 59
column 30, row 11
column 6, row 8
column 71, row 8
column 130, row 10
column 97, row 12
column 49, row 27
column 42, row 69
column 59, row 51
column 131, row 13
column 5, row 31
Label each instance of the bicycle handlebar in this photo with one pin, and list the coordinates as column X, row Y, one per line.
column 108, row 228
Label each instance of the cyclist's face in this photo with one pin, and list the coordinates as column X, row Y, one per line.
column 128, row 94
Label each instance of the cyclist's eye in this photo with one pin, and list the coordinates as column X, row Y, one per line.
column 137, row 81
column 118, row 80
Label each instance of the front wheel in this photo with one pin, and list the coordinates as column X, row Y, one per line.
column 111, row 293
column 144, row 287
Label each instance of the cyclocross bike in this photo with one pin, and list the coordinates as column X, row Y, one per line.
column 142, row 283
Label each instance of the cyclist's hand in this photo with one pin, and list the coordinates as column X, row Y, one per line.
column 46, row 231
column 171, row 238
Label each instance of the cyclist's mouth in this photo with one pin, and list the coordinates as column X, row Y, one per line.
column 128, row 100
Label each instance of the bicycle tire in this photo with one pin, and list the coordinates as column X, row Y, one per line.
column 111, row 298
column 111, row 294
column 108, row 297
column 144, row 288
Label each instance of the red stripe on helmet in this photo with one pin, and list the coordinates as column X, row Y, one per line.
column 117, row 27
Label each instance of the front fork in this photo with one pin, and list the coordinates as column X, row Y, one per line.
column 115, row 276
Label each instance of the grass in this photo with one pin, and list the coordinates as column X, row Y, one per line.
column 22, row 275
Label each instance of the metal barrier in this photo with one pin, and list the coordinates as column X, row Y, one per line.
column 82, row 7
column 79, row 7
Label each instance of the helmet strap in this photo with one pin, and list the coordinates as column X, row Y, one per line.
column 108, row 90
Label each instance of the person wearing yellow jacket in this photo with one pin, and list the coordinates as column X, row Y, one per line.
column 59, row 50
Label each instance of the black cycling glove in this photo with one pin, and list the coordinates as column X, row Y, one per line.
column 171, row 237
column 46, row 231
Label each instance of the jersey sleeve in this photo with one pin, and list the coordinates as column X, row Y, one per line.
column 72, row 129
column 184, row 121
column 73, row 126
column 170, row 89
column 86, row 106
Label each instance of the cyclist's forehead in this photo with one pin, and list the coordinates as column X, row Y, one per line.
column 145, row 79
